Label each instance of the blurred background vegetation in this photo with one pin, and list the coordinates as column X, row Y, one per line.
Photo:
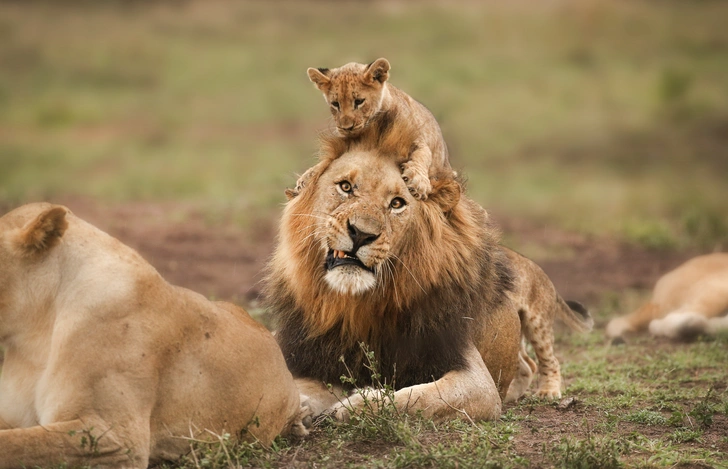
column 603, row 117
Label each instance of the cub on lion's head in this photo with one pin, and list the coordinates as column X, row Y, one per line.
column 354, row 93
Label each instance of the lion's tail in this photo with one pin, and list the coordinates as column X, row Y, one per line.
column 574, row 315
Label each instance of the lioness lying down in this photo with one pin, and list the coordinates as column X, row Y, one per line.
column 687, row 301
column 423, row 283
column 107, row 364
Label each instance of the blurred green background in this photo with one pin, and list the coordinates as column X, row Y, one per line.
column 603, row 117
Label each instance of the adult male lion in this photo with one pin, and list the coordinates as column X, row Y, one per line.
column 424, row 284
column 107, row 364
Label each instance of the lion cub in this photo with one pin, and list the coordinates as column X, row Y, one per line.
column 538, row 304
column 358, row 94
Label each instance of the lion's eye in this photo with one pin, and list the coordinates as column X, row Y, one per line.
column 345, row 186
column 397, row 204
column 335, row 104
column 358, row 102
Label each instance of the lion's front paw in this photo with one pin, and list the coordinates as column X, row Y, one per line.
column 417, row 180
column 340, row 413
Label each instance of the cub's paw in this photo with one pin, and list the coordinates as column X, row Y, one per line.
column 549, row 392
column 417, row 180
column 301, row 183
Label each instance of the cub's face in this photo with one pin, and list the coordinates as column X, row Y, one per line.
column 353, row 92
column 364, row 210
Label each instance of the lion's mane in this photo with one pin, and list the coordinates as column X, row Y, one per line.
column 418, row 320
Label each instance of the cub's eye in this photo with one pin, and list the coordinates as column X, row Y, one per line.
column 335, row 104
column 358, row 102
column 345, row 187
column 397, row 204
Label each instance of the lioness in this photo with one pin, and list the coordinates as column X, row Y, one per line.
column 107, row 364
column 424, row 284
column 686, row 302
column 358, row 95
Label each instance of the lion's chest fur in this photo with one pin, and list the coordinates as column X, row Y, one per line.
column 412, row 346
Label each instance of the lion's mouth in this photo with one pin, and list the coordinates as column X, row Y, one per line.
column 336, row 258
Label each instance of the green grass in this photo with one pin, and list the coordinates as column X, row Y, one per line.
column 667, row 423
column 607, row 118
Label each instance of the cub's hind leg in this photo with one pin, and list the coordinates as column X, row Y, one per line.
column 538, row 328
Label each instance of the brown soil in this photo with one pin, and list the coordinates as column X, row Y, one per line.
column 222, row 260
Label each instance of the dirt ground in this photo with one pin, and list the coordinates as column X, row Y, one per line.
column 222, row 260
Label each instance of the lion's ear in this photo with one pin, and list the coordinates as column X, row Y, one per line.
column 44, row 231
column 446, row 192
column 377, row 71
column 319, row 77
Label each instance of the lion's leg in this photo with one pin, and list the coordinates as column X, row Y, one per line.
column 316, row 397
column 74, row 442
column 679, row 325
column 469, row 394
column 634, row 322
column 526, row 369
column 416, row 172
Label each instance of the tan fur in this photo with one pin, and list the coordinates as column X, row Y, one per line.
column 347, row 86
column 686, row 302
column 411, row 251
column 538, row 305
column 99, row 348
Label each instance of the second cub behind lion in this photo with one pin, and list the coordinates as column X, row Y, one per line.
column 538, row 304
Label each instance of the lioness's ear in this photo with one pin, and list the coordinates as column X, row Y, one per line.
column 377, row 71
column 319, row 77
column 45, row 231
column 446, row 192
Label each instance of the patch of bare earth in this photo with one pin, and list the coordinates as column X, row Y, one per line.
column 221, row 259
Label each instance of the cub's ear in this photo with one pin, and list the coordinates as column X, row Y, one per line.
column 43, row 232
column 319, row 77
column 377, row 71
column 446, row 192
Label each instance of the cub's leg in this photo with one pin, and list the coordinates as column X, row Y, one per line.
column 526, row 369
column 74, row 442
column 416, row 172
column 468, row 394
column 538, row 329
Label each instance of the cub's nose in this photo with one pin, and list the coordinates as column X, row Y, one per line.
column 359, row 238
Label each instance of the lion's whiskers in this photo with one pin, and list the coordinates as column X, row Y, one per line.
column 409, row 271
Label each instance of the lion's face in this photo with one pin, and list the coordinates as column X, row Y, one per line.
column 365, row 208
column 354, row 93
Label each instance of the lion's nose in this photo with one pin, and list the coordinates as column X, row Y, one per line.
column 360, row 238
